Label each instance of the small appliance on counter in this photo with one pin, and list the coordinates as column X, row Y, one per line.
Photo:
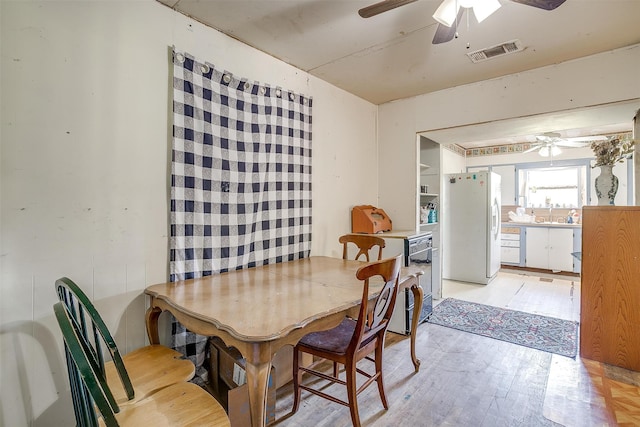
column 369, row 219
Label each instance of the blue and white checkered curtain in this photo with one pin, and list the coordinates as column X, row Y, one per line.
column 240, row 176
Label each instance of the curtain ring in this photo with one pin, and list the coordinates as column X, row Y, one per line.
column 180, row 57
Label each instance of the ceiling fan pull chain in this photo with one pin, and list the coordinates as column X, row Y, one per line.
column 456, row 19
column 467, row 15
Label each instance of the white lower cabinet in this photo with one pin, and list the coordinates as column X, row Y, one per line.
column 550, row 248
column 510, row 246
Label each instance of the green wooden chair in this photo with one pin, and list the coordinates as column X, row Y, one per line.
column 132, row 376
column 86, row 376
column 175, row 405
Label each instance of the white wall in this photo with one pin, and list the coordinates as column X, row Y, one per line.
column 85, row 133
column 599, row 79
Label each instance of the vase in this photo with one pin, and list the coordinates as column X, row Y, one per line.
column 606, row 186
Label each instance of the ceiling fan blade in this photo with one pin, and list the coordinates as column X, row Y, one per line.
column 532, row 148
column 586, row 138
column 569, row 143
column 541, row 4
column 544, row 139
column 383, row 6
column 445, row 34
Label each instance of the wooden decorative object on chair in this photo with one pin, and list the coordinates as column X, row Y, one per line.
column 180, row 404
column 353, row 340
column 364, row 243
column 148, row 369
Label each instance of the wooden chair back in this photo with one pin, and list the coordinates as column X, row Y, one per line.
column 374, row 319
column 131, row 376
column 86, row 376
column 93, row 329
column 364, row 243
column 353, row 340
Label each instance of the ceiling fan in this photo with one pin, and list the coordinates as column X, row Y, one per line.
column 548, row 144
column 449, row 13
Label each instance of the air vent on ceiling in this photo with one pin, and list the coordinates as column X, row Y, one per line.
column 495, row 51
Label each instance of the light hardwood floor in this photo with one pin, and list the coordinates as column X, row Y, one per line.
column 469, row 380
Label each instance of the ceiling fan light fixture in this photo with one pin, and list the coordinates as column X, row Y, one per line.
column 552, row 151
column 448, row 9
column 483, row 8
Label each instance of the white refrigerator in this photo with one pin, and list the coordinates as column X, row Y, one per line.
column 471, row 214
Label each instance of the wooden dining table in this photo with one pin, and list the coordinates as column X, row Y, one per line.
column 261, row 309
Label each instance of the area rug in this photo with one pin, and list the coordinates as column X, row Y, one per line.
column 530, row 330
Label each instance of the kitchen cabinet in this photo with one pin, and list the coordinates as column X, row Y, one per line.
column 510, row 246
column 507, row 183
column 549, row 248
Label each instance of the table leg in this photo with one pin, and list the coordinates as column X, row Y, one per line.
column 418, row 294
column 257, row 380
column 152, row 315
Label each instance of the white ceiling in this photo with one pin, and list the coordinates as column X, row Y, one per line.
column 390, row 56
column 600, row 120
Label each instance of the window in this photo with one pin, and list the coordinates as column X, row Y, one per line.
column 553, row 186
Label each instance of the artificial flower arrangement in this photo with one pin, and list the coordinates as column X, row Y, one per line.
column 611, row 151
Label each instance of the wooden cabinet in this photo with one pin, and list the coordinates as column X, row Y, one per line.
column 549, row 248
column 610, row 290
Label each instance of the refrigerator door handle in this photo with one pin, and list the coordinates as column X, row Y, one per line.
column 495, row 218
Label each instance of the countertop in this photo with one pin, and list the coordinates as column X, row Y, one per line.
column 399, row 234
column 541, row 224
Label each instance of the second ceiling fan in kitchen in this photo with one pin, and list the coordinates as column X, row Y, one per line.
column 548, row 145
column 450, row 12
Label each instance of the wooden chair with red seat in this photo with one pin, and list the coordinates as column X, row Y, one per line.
column 135, row 375
column 364, row 243
column 352, row 341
